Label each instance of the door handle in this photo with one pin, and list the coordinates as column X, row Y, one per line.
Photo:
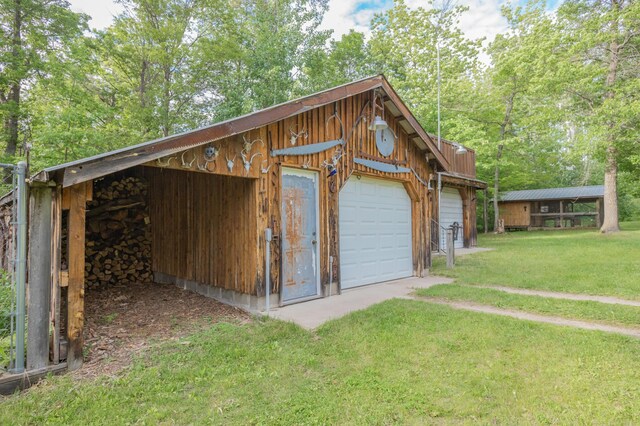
column 314, row 242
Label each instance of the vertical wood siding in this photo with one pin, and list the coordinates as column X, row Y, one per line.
column 516, row 214
column 204, row 228
column 228, row 251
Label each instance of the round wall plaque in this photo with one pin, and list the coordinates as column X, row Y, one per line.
column 385, row 141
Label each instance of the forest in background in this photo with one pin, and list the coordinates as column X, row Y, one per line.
column 553, row 101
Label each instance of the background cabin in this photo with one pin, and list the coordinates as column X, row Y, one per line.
column 553, row 208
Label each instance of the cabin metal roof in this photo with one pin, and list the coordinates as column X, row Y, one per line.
column 567, row 193
column 100, row 165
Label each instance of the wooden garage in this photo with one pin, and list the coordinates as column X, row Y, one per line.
column 292, row 201
column 455, row 206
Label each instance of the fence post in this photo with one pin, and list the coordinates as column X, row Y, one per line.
column 21, row 263
column 451, row 255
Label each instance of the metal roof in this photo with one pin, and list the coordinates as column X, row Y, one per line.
column 110, row 162
column 573, row 192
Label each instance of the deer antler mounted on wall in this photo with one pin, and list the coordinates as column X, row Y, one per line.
column 331, row 165
column 247, row 162
column 335, row 116
column 293, row 139
column 264, row 170
column 230, row 162
column 184, row 164
column 247, row 145
column 165, row 163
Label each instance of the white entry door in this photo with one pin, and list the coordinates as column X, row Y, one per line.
column 450, row 213
column 375, row 232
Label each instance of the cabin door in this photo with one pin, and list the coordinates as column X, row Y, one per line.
column 300, row 248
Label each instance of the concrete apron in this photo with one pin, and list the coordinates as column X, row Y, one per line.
column 314, row 313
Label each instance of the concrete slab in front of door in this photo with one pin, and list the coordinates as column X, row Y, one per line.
column 314, row 313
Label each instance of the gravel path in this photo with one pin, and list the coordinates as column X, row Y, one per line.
column 475, row 307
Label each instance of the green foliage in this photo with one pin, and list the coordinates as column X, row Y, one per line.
column 34, row 37
column 403, row 45
column 166, row 66
column 6, row 297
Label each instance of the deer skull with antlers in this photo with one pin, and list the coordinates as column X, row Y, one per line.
column 247, row 161
column 331, row 165
column 247, row 145
column 230, row 162
column 295, row 136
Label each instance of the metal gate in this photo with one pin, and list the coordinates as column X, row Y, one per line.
column 13, row 234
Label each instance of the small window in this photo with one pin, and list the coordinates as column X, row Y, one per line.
column 525, row 208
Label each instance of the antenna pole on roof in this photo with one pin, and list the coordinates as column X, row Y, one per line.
column 438, row 73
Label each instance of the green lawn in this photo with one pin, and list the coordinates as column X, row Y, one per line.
column 583, row 310
column 401, row 361
column 567, row 261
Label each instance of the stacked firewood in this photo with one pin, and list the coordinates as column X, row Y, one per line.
column 118, row 238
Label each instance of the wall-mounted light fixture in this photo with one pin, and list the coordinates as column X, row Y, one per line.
column 460, row 149
column 378, row 122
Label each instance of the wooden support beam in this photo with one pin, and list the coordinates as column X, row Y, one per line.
column 56, row 256
column 39, row 287
column 75, row 291
column 485, row 214
column 9, row 383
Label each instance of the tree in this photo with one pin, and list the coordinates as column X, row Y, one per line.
column 403, row 45
column 601, row 70
column 266, row 48
column 345, row 60
column 30, row 31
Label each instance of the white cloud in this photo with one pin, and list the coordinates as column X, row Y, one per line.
column 482, row 20
column 101, row 11
column 343, row 17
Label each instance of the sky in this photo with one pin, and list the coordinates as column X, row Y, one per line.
column 482, row 20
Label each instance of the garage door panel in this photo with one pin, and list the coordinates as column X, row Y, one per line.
column 375, row 232
column 451, row 210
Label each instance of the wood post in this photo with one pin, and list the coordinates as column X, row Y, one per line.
column 485, row 213
column 451, row 255
column 39, row 287
column 75, row 290
column 561, row 214
column 56, row 256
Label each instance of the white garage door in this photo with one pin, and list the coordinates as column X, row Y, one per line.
column 451, row 211
column 375, row 232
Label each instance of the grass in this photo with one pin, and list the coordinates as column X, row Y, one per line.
column 574, row 261
column 584, row 310
column 399, row 362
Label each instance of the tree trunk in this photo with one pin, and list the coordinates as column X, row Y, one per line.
column 496, row 189
column 610, row 222
column 503, row 135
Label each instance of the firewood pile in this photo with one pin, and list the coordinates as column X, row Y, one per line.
column 6, row 233
column 118, row 234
